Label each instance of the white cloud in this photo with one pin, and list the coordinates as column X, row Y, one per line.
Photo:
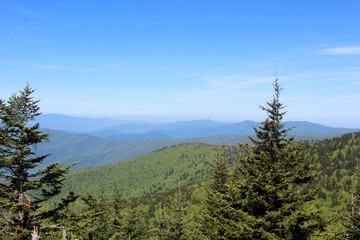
column 345, row 50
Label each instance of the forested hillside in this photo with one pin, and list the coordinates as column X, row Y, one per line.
column 162, row 170
column 154, row 178
column 88, row 150
column 337, row 163
column 183, row 164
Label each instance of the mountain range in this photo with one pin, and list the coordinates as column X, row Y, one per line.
column 101, row 141
column 127, row 130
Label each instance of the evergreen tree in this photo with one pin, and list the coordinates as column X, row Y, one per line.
column 24, row 188
column 270, row 195
column 215, row 216
column 118, row 205
column 89, row 217
column 132, row 224
column 170, row 223
column 267, row 195
column 353, row 224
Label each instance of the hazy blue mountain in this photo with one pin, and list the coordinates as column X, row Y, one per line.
column 309, row 128
column 123, row 131
column 149, row 136
column 76, row 124
column 189, row 130
column 138, row 128
column 89, row 150
column 66, row 147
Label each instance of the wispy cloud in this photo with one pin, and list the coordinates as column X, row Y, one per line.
column 236, row 81
column 240, row 86
column 225, row 90
column 344, row 50
column 345, row 75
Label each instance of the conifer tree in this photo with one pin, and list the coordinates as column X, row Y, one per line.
column 215, row 218
column 270, row 194
column 118, row 205
column 23, row 187
column 353, row 223
column 132, row 223
column 170, row 223
column 89, row 218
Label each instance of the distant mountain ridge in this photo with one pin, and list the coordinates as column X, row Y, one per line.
column 123, row 130
column 76, row 124
column 104, row 141
column 66, row 148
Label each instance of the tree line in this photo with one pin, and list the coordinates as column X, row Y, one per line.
column 267, row 193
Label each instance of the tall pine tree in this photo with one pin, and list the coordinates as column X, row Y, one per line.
column 353, row 223
column 267, row 195
column 23, row 187
column 271, row 190
column 215, row 220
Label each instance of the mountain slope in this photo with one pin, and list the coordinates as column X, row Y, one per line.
column 159, row 171
column 88, row 150
column 176, row 166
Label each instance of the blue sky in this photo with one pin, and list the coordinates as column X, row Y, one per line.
column 161, row 60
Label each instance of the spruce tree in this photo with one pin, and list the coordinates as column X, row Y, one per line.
column 23, row 187
column 117, row 206
column 353, row 223
column 170, row 223
column 133, row 224
column 215, row 218
column 269, row 195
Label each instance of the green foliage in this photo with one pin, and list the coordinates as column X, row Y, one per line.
column 353, row 223
column 322, row 154
column 265, row 198
column 159, row 171
column 170, row 222
column 133, row 223
column 215, row 209
column 336, row 161
column 88, row 150
column 103, row 219
column 23, row 190
column 335, row 175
